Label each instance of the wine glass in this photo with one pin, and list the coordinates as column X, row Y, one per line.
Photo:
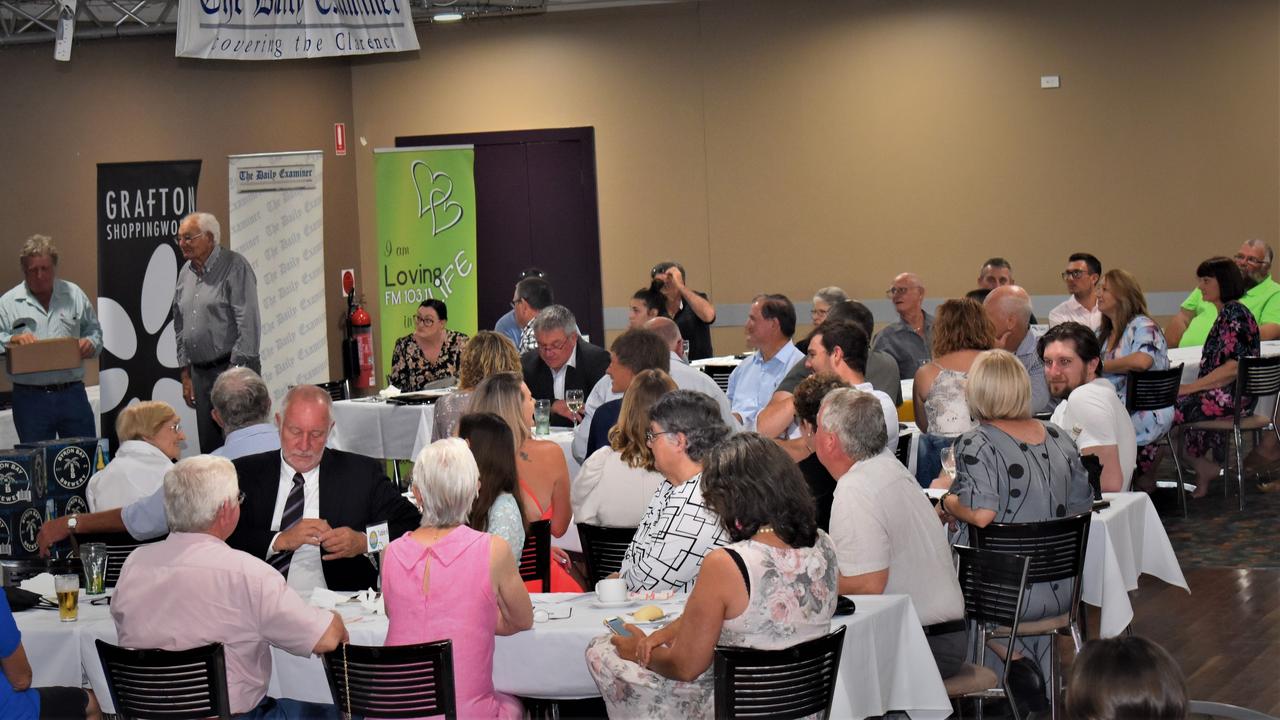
column 949, row 462
column 574, row 399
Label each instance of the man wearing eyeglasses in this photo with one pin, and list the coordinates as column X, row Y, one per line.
column 1081, row 277
column 215, row 317
column 908, row 340
column 49, row 403
column 560, row 362
column 1190, row 327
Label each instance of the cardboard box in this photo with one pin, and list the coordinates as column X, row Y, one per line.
column 68, row 462
column 54, row 354
column 22, row 477
column 18, row 529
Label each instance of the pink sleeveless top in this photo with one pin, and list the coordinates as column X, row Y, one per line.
column 459, row 605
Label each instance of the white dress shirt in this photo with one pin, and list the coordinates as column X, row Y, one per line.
column 1072, row 310
column 557, row 376
column 305, row 571
column 752, row 383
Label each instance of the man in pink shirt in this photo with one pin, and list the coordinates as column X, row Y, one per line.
column 192, row 589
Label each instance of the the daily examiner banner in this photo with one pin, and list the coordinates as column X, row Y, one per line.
column 426, row 239
column 290, row 29
column 277, row 222
column 139, row 207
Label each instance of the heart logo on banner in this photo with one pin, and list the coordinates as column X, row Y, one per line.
column 437, row 197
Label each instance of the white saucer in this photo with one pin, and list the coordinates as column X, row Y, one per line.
column 617, row 604
column 664, row 620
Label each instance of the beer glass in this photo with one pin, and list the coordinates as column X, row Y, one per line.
column 68, row 589
column 94, row 558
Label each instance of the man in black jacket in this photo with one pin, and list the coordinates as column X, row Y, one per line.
column 306, row 508
column 562, row 362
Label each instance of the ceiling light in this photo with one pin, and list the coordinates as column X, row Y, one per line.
column 446, row 17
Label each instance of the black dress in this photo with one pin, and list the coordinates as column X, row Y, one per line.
column 821, row 485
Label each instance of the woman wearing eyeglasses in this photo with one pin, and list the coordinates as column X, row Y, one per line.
column 431, row 352
column 151, row 438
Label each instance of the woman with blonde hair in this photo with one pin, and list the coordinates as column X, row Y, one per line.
column 961, row 330
column 616, row 483
column 541, row 470
column 151, row 440
column 488, row 353
column 1132, row 341
column 1015, row 469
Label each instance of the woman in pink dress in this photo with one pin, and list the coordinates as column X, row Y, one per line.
column 445, row 581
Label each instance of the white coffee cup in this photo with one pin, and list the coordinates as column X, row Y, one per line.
column 611, row 590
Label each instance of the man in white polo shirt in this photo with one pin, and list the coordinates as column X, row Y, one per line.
column 887, row 535
column 1091, row 411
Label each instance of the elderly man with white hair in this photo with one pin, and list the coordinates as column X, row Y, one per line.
column 215, row 317
column 909, row 340
column 562, row 361
column 1009, row 308
column 192, row 589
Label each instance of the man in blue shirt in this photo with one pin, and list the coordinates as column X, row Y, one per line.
column 507, row 324
column 49, row 403
column 770, row 325
column 20, row 701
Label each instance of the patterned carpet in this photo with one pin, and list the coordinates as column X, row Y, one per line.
column 1217, row 533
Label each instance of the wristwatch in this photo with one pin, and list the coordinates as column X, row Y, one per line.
column 942, row 501
column 72, row 521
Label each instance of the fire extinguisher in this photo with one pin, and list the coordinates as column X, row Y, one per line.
column 362, row 337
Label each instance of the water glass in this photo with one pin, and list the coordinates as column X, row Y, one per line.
column 542, row 418
column 949, row 462
column 94, row 558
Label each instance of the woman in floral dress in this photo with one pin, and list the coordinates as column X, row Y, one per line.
column 431, row 352
column 1234, row 335
column 773, row 587
column 1132, row 341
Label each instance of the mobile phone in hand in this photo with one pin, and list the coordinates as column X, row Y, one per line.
column 615, row 626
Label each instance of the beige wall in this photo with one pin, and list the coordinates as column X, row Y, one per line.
column 769, row 146
column 878, row 137
column 132, row 100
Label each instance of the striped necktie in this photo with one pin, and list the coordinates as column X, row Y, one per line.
column 290, row 517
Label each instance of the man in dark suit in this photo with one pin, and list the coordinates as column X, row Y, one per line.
column 306, row 508
column 562, row 362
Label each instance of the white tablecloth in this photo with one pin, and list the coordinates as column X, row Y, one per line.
column 53, row 647
column 9, row 433
column 885, row 665
column 1125, row 540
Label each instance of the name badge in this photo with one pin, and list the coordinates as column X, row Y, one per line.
column 378, row 536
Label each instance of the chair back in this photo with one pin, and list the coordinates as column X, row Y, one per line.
column 793, row 682
column 396, row 681
column 169, row 684
column 1152, row 389
column 603, row 547
column 994, row 585
column 1257, row 377
column 119, row 547
column 337, row 389
column 1056, row 548
column 719, row 373
column 535, row 557
column 903, row 451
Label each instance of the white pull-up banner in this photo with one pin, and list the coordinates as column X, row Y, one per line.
column 291, row 29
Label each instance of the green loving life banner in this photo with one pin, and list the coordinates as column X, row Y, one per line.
column 426, row 201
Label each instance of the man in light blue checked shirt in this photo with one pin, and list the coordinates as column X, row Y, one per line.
column 50, row 403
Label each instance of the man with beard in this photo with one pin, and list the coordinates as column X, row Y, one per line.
column 1090, row 409
column 1190, row 327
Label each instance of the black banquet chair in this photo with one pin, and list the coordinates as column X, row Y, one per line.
column 168, row 684
column 119, row 547
column 1156, row 390
column 535, row 557
column 793, row 682
column 604, row 548
column 395, row 681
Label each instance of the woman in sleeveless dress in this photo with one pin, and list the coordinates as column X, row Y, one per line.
column 498, row 509
column 542, row 472
column 773, row 587
column 445, row 581
column 960, row 331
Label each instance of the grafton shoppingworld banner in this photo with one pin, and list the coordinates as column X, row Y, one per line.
column 426, row 239
column 277, row 223
column 139, row 208
column 290, row 29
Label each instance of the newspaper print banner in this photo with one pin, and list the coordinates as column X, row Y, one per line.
column 279, row 228
column 291, row 29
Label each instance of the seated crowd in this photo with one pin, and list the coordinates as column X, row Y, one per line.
column 786, row 485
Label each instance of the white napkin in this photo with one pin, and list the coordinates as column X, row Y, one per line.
column 327, row 599
column 41, row 584
column 372, row 601
column 390, row 392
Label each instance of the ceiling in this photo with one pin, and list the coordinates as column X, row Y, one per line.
column 36, row 21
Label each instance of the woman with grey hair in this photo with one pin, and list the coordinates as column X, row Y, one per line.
column 823, row 299
column 678, row 528
column 445, row 581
